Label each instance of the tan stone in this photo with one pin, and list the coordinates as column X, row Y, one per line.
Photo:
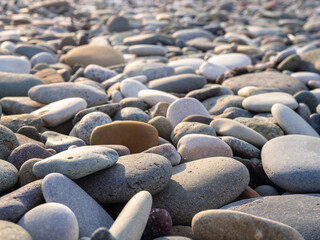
column 104, row 56
column 49, row 75
column 137, row 136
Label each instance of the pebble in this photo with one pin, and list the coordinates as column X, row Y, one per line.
column 163, row 126
column 60, row 142
column 133, row 218
column 132, row 114
column 194, row 63
column 27, row 151
column 60, row 111
column 77, row 162
column 198, row 185
column 168, row 151
column 291, row 122
column 230, row 60
column 211, row 71
column 30, row 132
column 8, row 142
column 89, row 122
column 225, row 224
column 11, row 230
column 241, row 148
column 49, row 93
column 118, row 24
column 8, row 175
column 13, row 64
column 51, row 221
column 19, row 105
column 131, row 174
column 277, row 208
column 152, row 97
column 16, row 203
column 182, row 108
column 148, row 50
column 43, row 57
column 131, row 88
column 59, row 189
column 228, row 127
column 26, row 175
column 137, row 136
column 264, row 102
column 16, row 121
column 16, row 84
column 98, row 73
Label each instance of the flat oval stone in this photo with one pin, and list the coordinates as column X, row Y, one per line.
column 104, row 56
column 14, row 64
column 230, row 60
column 241, row 148
column 291, row 162
column 228, row 127
column 90, row 121
column 60, row 189
column 211, row 71
column 98, row 73
column 199, row 185
column 137, row 136
column 182, row 108
column 26, row 175
column 306, row 76
column 263, row 102
column 118, row 24
column 147, row 50
column 12, row 231
column 132, row 173
column 132, row 114
column 77, row 162
column 8, row 175
column 49, row 93
column 15, row 204
column 60, row 142
column 152, row 97
column 51, row 221
column 168, row 151
column 163, row 126
column 182, row 83
column 197, row 146
column 133, row 218
column 188, row 34
column 297, row 214
column 14, row 84
column 265, row 79
column 60, row 111
column 19, row 105
column 291, row 122
column 29, row 50
column 131, row 88
column 43, row 57
column 225, row 224
column 194, row 63
column 8, row 142
column 16, row 121
column 310, row 61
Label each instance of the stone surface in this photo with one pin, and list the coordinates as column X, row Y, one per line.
column 77, row 162
column 8, row 175
column 15, row 204
column 25, row 172
column 14, row 64
column 152, row 97
column 241, row 148
column 228, row 127
column 137, row 136
column 198, row 185
column 231, row 60
column 27, row 151
column 19, row 105
column 90, row 215
column 147, row 50
column 60, row 111
column 118, row 24
column 8, row 142
column 298, row 214
column 265, row 79
column 131, row 174
column 98, row 73
column 291, row 162
column 51, row 221
column 291, row 122
column 14, row 84
column 132, row 114
column 14, row 122
column 133, row 218
column 104, row 56
column 264, row 102
column 226, row 224
column 197, row 146
column 49, row 75
column 131, row 88
column 168, row 151
column 163, row 126
column 49, row 93
column 12, row 231
column 183, row 108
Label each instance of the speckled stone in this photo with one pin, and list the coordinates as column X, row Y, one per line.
column 12, row 231
column 8, row 142
column 19, row 105
column 168, row 151
column 163, row 126
column 137, row 136
column 132, row 114
column 8, row 175
column 198, row 185
column 131, row 174
column 14, row 122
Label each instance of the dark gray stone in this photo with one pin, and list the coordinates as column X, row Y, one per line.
column 307, row 98
column 314, row 121
column 241, row 148
column 131, row 174
column 101, row 233
column 8, row 142
column 19, row 105
column 133, row 114
column 14, row 122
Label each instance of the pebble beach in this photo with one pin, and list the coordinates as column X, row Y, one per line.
column 164, row 120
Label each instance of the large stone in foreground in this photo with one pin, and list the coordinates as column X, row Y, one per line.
column 131, row 174
column 298, row 211
column 137, row 136
column 265, row 79
column 200, row 185
column 226, row 224
column 104, row 56
column 292, row 162
column 11, row 231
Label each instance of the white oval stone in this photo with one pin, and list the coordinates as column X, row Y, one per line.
column 148, row 50
column 152, row 97
column 231, row 60
column 131, row 88
column 211, row 71
column 14, row 64
column 306, row 76
column 195, row 63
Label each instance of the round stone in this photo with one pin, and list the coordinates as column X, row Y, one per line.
column 118, row 24
column 43, row 57
column 137, row 136
column 25, row 172
column 291, row 162
column 8, row 142
column 104, row 56
column 12, row 231
column 8, row 175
